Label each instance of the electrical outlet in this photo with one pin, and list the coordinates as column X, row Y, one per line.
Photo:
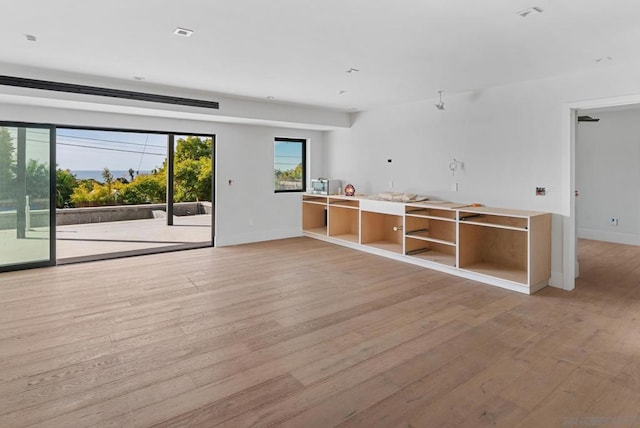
column 614, row 221
column 390, row 184
column 454, row 187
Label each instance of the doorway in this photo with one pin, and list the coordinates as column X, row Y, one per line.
column 123, row 193
column 607, row 175
column 571, row 267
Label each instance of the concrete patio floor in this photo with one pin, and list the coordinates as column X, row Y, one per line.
column 103, row 240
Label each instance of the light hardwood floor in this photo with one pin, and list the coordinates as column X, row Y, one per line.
column 302, row 333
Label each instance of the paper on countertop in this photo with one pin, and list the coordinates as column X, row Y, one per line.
column 400, row 197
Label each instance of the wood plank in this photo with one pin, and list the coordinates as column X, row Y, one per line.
column 333, row 337
column 219, row 411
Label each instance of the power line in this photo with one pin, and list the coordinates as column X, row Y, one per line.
column 113, row 141
column 106, row 140
column 143, row 150
column 110, row 149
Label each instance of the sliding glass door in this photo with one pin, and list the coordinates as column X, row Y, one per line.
column 27, row 168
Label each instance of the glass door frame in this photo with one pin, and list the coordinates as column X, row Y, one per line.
column 170, row 149
column 52, row 197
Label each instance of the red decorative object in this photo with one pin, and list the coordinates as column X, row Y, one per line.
column 349, row 190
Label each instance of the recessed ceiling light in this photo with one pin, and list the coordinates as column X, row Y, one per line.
column 31, row 37
column 271, row 97
column 138, row 78
column 352, row 70
column 341, row 92
column 530, row 11
column 183, row 32
column 603, row 59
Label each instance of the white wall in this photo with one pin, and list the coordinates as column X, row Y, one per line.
column 246, row 211
column 510, row 139
column 608, row 176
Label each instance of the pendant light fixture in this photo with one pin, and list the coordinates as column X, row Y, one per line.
column 440, row 105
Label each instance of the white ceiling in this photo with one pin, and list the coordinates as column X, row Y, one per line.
column 298, row 50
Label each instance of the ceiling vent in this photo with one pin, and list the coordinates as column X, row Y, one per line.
column 588, row 119
column 105, row 92
column 183, row 32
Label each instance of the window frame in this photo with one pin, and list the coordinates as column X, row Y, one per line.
column 303, row 141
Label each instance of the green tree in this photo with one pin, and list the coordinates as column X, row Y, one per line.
column 37, row 177
column 7, row 165
column 66, row 182
column 145, row 189
column 193, row 148
column 108, row 182
column 193, row 169
column 193, row 180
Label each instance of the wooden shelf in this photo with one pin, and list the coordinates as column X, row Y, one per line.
column 350, row 237
column 499, row 271
column 431, row 229
column 436, row 257
column 499, row 221
column 431, row 217
column 432, row 250
column 344, row 203
column 425, row 237
column 314, row 202
column 314, row 199
column 497, row 226
column 317, row 230
column 386, row 245
column 430, row 213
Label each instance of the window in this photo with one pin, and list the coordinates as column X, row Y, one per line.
column 289, row 164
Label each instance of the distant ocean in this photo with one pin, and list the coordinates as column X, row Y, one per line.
column 97, row 175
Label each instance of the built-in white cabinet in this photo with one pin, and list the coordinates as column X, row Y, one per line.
column 507, row 248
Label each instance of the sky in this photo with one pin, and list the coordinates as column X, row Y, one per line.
column 79, row 149
column 287, row 155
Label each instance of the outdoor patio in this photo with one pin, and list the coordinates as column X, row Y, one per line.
column 80, row 242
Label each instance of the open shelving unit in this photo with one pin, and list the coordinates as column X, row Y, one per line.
column 430, row 234
column 507, row 244
column 314, row 214
column 344, row 219
column 507, row 248
column 382, row 231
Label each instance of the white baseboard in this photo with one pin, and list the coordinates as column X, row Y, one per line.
column 259, row 236
column 609, row 236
